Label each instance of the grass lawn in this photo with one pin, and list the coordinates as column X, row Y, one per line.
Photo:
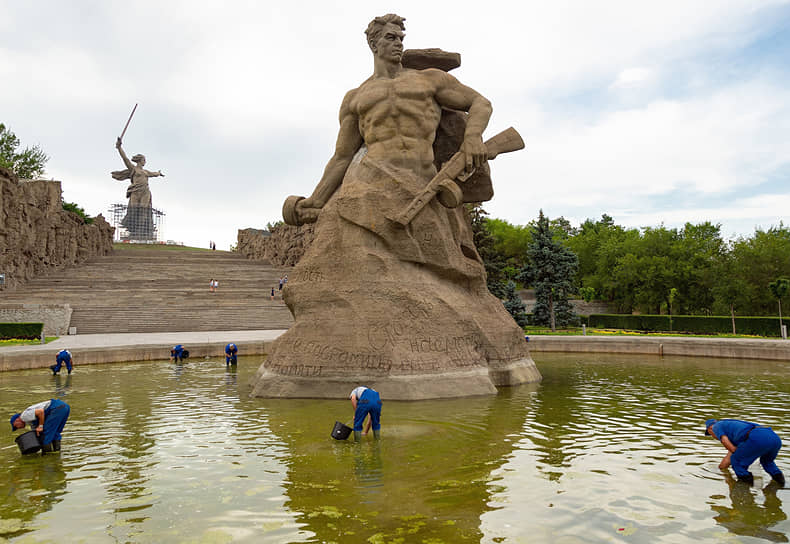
column 22, row 342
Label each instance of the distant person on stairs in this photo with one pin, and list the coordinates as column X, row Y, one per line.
column 63, row 356
column 230, row 354
column 211, row 285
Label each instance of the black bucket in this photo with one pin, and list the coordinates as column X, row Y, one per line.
column 341, row 431
column 28, row 442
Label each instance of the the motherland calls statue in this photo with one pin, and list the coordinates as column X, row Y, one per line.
column 392, row 291
column 139, row 221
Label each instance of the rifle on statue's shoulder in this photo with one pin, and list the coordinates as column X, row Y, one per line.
column 444, row 185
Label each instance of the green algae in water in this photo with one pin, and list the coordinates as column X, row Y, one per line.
column 328, row 511
column 8, row 526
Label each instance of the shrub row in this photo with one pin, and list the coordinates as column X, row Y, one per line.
column 692, row 324
column 27, row 331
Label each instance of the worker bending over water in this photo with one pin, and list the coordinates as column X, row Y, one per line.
column 63, row 356
column 230, row 354
column 46, row 418
column 366, row 402
column 745, row 442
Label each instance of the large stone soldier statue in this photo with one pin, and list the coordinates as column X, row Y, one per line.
column 392, row 291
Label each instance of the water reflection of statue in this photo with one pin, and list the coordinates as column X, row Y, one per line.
column 746, row 517
column 139, row 217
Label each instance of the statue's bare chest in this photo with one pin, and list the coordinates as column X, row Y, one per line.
column 395, row 95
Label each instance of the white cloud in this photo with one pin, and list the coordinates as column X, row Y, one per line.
column 631, row 77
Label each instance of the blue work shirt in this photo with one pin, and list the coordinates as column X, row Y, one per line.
column 734, row 429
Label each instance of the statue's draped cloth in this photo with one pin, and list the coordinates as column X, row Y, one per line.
column 139, row 218
column 403, row 310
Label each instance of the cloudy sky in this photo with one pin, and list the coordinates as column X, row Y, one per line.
column 651, row 112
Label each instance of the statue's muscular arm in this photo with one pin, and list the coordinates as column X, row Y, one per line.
column 451, row 93
column 348, row 143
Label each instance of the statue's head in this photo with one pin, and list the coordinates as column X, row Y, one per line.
column 139, row 159
column 385, row 36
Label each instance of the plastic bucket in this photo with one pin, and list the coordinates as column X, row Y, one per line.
column 341, row 431
column 28, row 442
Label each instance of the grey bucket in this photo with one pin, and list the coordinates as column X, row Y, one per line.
column 341, row 431
column 28, row 442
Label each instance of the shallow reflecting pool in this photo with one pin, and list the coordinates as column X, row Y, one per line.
column 605, row 449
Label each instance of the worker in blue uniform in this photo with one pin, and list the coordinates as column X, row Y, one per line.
column 230, row 354
column 63, row 356
column 366, row 402
column 177, row 353
column 745, row 442
column 46, row 418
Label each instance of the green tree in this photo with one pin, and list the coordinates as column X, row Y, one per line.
column 551, row 272
column 74, row 208
column 728, row 287
column 587, row 293
column 779, row 289
column 493, row 261
column 514, row 304
column 757, row 261
column 28, row 163
column 510, row 241
column 599, row 245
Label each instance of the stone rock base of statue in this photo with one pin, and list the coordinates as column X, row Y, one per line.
column 402, row 310
column 408, row 342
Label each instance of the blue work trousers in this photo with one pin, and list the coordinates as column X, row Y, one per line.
column 59, row 362
column 763, row 443
column 54, row 420
column 368, row 403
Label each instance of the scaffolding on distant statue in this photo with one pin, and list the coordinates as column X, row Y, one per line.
column 136, row 223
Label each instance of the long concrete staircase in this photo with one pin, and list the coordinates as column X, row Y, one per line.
column 163, row 289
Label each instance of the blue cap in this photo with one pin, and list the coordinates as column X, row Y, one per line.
column 708, row 423
column 14, row 418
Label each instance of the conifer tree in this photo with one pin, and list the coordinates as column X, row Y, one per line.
column 514, row 304
column 550, row 272
column 493, row 261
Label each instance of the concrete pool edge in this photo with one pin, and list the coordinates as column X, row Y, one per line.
column 728, row 348
column 116, row 348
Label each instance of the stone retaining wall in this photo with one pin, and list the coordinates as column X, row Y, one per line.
column 37, row 235
column 284, row 246
column 55, row 317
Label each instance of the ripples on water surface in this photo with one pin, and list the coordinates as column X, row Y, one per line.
column 606, row 449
